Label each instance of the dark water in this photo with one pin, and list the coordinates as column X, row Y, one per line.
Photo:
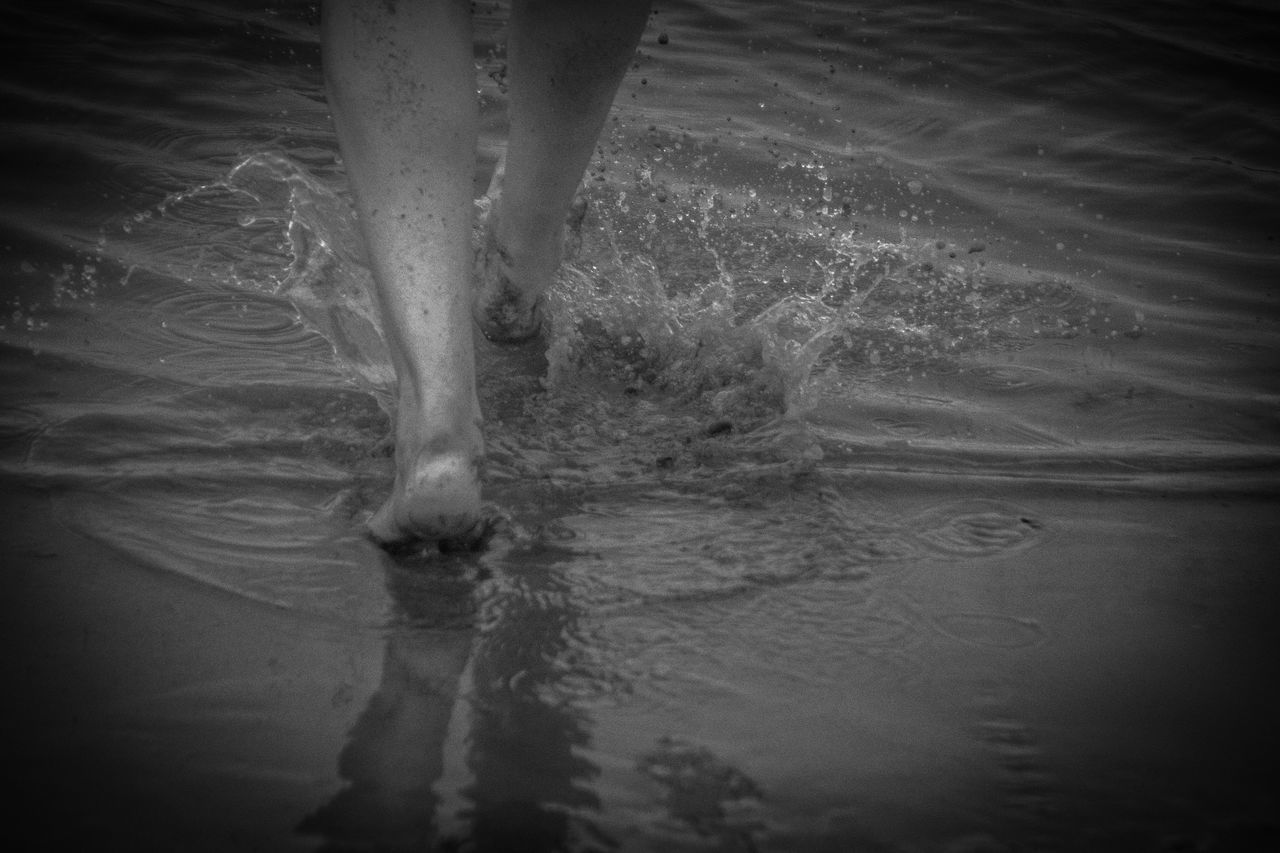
column 904, row 476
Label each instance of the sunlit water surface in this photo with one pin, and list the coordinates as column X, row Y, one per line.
column 902, row 475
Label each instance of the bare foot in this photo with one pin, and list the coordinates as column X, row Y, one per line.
column 507, row 304
column 436, row 500
column 505, row 311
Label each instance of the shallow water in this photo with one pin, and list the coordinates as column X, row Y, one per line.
column 903, row 476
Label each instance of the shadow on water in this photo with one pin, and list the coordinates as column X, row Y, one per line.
column 473, row 652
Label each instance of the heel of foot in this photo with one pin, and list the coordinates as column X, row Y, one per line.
column 506, row 317
column 506, row 307
column 439, row 500
column 505, row 312
column 449, row 480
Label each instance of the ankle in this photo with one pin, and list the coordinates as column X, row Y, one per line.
column 509, row 288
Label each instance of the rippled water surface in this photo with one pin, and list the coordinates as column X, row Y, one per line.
column 902, row 475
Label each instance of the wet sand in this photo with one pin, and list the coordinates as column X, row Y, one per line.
column 157, row 713
column 149, row 712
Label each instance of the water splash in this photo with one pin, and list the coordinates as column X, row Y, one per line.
column 327, row 279
column 267, row 228
column 752, row 318
column 729, row 304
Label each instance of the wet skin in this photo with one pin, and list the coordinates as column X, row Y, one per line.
column 401, row 87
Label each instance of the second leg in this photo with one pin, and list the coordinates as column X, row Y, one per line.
column 566, row 59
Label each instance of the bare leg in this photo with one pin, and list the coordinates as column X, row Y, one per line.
column 565, row 60
column 401, row 87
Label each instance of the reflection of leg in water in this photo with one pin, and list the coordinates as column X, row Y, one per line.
column 524, row 741
column 394, row 755
column 402, row 91
column 529, row 774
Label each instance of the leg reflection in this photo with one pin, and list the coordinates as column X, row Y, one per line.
column 526, row 738
column 394, row 755
column 529, row 784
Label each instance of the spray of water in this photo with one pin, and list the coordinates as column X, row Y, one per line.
column 747, row 309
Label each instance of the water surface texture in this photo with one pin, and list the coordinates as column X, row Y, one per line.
column 903, row 474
